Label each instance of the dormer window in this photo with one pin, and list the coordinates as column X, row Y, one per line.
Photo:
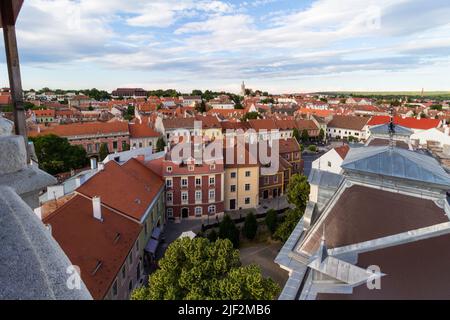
column 212, row 166
column 191, row 167
column 169, row 169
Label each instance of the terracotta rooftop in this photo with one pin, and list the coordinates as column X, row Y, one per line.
column 142, row 130
column 129, row 188
column 288, row 145
column 90, row 243
column 342, row 151
column 412, row 123
column 348, row 122
column 363, row 214
column 385, row 142
column 86, row 129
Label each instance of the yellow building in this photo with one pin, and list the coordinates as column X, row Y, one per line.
column 241, row 180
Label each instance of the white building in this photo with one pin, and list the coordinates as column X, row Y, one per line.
column 332, row 160
column 341, row 127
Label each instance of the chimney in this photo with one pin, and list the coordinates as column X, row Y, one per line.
column 101, row 166
column 97, row 208
column 93, row 163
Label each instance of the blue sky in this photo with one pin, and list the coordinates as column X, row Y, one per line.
column 274, row 45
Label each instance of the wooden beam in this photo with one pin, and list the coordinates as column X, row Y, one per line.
column 9, row 10
column 12, row 61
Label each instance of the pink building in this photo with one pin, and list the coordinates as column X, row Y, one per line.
column 92, row 135
column 192, row 190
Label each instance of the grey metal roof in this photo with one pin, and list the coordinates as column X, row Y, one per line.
column 324, row 178
column 398, row 163
column 383, row 129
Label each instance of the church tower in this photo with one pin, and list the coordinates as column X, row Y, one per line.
column 243, row 89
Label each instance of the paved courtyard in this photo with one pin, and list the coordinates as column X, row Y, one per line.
column 263, row 255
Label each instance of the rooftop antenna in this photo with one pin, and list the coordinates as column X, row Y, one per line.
column 391, row 128
column 323, row 250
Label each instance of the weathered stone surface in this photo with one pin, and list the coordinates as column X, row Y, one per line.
column 13, row 154
column 6, row 127
column 33, row 265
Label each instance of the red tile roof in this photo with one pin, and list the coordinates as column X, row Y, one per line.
column 44, row 113
column 92, row 128
column 142, row 130
column 348, row 122
column 412, row 123
column 89, row 242
column 342, row 151
column 129, row 188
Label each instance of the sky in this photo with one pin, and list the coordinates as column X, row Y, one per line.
column 279, row 46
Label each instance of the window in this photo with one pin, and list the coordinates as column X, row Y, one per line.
column 130, row 259
column 247, row 200
column 169, row 196
column 329, row 163
column 169, row 169
column 97, row 147
column 266, row 180
column 170, row 212
column 184, row 197
column 114, row 288
column 275, row 179
column 247, row 173
column 191, row 167
column 247, row 187
column 212, row 194
column 89, row 148
column 114, row 144
column 212, row 166
column 198, row 195
column 145, row 229
column 212, row 180
column 233, row 175
column 212, row 209
column 137, row 243
column 140, row 144
column 169, row 183
column 198, row 211
column 198, row 182
column 123, row 272
column 184, row 182
column 233, row 188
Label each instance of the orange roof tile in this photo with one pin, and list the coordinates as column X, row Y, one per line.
column 129, row 188
column 90, row 243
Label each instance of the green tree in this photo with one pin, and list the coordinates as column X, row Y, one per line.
column 298, row 191
column 103, row 152
column 296, row 135
column 305, row 135
column 250, row 226
column 250, row 116
column 290, row 220
column 228, row 230
column 57, row 155
column 271, row 220
column 312, row 148
column 199, row 270
column 212, row 235
column 321, row 135
column 201, row 107
column 160, row 144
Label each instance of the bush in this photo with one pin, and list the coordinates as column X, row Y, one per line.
column 271, row 220
column 312, row 148
column 250, row 226
column 212, row 235
column 288, row 225
column 228, row 230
